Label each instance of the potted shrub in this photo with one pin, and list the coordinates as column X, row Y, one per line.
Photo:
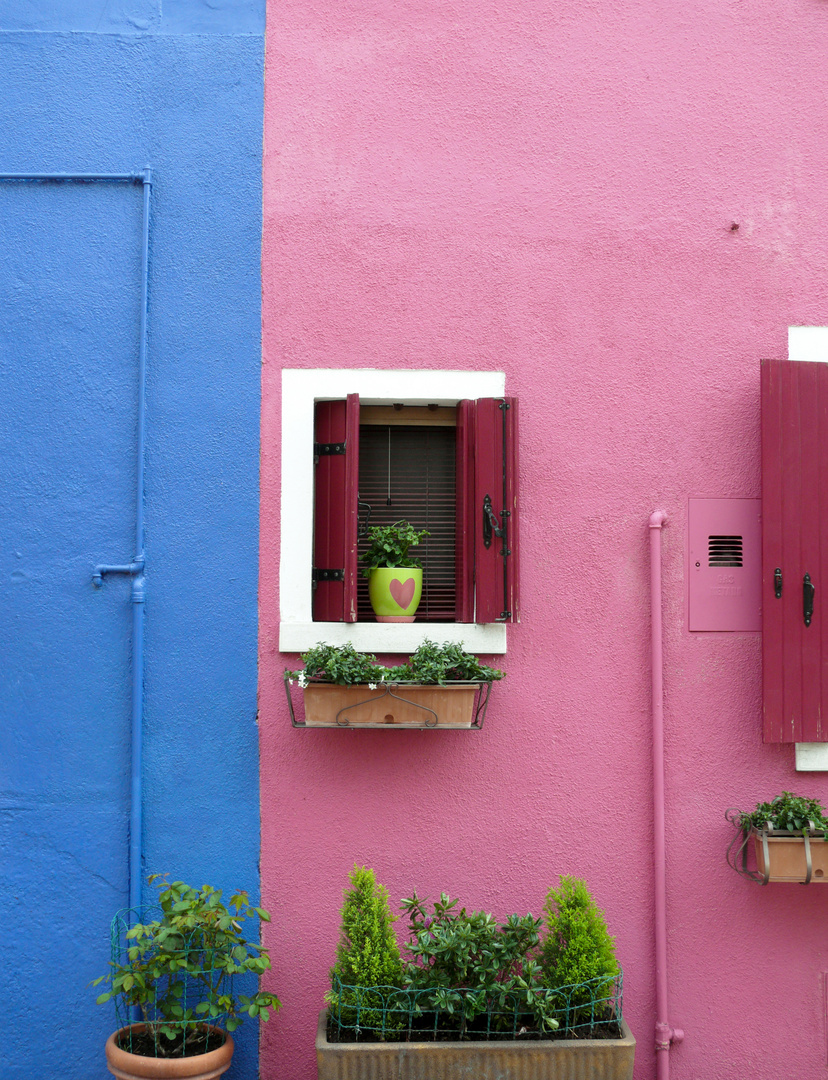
column 395, row 579
column 471, row 998
column 782, row 832
column 176, row 972
column 438, row 686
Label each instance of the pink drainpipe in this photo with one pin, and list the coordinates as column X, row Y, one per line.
column 664, row 1034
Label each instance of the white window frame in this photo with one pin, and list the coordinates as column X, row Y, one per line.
column 300, row 390
column 809, row 343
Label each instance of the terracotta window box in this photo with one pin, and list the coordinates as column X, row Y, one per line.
column 785, row 856
column 459, row 705
column 544, row 1059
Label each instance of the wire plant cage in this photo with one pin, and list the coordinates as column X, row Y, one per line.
column 177, row 991
column 588, row 1010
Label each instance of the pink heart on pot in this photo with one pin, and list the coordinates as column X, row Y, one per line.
column 402, row 591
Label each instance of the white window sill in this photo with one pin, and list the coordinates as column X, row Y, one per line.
column 811, row 757
column 478, row 638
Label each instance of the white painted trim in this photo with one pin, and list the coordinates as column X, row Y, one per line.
column 393, row 637
column 808, row 343
column 300, row 389
column 811, row 757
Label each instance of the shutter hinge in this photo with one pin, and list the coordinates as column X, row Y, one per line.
column 328, row 575
column 326, row 449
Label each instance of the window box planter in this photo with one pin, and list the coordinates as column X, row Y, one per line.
column 544, row 1059
column 459, row 705
column 781, row 856
column 788, row 837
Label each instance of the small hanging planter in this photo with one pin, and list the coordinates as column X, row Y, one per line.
column 789, row 840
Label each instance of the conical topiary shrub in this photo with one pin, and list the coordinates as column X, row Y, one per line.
column 578, row 950
column 367, row 956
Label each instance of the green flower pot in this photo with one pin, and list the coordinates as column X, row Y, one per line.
column 395, row 592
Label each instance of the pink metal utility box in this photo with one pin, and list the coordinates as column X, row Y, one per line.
column 724, row 576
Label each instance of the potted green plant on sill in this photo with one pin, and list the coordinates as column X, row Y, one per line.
column 782, row 832
column 176, row 970
column 438, row 686
column 395, row 578
column 472, row 993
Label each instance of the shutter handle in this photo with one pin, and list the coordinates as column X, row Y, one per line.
column 777, row 583
column 808, row 590
column 490, row 522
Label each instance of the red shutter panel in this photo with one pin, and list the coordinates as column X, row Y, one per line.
column 336, row 483
column 491, row 508
column 794, row 502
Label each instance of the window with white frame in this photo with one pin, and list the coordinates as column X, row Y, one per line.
column 423, row 418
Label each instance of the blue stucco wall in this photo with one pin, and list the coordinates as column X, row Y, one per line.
column 113, row 87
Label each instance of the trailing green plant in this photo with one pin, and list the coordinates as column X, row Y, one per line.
column 577, row 949
column 793, row 813
column 439, row 664
column 178, row 969
column 367, row 954
column 389, row 545
column 472, row 966
column 340, row 664
column 431, row 664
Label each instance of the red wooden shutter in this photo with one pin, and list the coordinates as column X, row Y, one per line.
column 487, row 500
column 336, row 454
column 794, row 506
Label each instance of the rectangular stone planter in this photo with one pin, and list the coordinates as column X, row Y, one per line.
column 562, row 1059
column 401, row 706
column 788, row 857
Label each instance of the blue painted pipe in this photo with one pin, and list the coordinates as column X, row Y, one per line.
column 136, row 568
column 128, row 178
column 136, row 800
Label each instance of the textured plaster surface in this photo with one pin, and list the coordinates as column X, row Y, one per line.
column 553, row 190
column 69, row 293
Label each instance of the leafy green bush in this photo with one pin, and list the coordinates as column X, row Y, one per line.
column 340, row 664
column 449, row 662
column 430, row 664
column 577, row 948
column 367, row 954
column 473, row 966
column 787, row 811
column 389, row 546
column 178, row 969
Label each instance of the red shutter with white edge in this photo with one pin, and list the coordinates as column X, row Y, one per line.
column 335, row 524
column 488, row 457
column 794, row 551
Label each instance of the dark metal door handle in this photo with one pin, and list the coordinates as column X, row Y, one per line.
column 808, row 590
column 777, row 583
column 490, row 522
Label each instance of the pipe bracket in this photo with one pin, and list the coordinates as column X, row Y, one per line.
column 132, row 568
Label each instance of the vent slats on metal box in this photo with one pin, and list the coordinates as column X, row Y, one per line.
column 724, row 550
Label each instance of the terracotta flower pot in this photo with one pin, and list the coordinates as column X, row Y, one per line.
column 128, row 1066
column 395, row 593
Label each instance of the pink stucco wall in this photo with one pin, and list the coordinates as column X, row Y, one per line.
column 549, row 189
